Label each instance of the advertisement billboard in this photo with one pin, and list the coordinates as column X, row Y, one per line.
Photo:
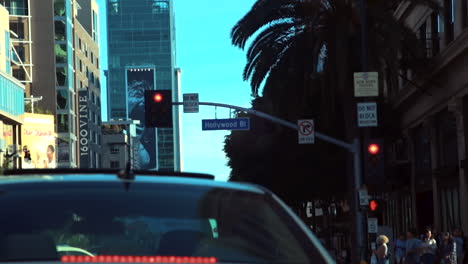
column 38, row 139
column 140, row 79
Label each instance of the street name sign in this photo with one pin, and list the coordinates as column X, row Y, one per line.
column 372, row 225
column 306, row 134
column 226, row 124
column 366, row 84
column 191, row 103
column 367, row 114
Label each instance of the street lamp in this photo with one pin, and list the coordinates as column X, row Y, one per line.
column 32, row 100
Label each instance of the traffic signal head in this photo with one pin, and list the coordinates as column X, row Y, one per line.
column 374, row 162
column 158, row 108
column 373, row 205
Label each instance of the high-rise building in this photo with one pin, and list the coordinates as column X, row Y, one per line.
column 20, row 28
column 56, row 56
column 11, row 99
column 141, row 53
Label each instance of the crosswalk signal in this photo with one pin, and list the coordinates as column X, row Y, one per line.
column 374, row 205
column 374, row 161
column 158, row 108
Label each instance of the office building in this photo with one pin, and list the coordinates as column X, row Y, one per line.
column 11, row 99
column 56, row 56
column 141, row 53
column 427, row 162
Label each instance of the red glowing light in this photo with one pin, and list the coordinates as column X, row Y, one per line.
column 138, row 259
column 157, row 97
column 373, row 205
column 373, row 149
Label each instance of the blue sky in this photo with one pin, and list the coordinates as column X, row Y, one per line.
column 212, row 67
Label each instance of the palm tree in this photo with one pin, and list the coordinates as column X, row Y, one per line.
column 321, row 39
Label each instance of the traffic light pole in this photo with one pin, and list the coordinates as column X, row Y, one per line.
column 354, row 148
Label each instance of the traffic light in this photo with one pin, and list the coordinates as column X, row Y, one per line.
column 374, row 205
column 158, row 108
column 374, row 162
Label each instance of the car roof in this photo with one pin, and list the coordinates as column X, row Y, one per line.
column 149, row 177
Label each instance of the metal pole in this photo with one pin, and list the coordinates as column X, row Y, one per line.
column 280, row 121
column 359, row 219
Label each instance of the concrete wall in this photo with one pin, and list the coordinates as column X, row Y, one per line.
column 42, row 28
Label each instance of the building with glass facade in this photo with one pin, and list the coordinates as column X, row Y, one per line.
column 141, row 53
column 11, row 99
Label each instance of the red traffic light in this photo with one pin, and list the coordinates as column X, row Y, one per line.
column 373, row 149
column 158, row 97
column 373, row 205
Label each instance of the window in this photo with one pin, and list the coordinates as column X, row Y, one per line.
column 61, row 73
column 79, row 44
column 18, row 28
column 92, row 58
column 81, row 65
column 59, row 7
column 114, row 6
column 19, row 74
column 97, row 63
column 61, row 53
column 114, row 164
column 160, row 7
column 62, row 99
column 60, row 30
column 62, row 123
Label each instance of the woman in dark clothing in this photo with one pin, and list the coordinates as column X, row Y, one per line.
column 448, row 254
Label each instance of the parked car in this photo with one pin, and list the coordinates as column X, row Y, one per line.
column 147, row 217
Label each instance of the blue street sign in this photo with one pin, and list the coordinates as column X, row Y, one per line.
column 226, row 124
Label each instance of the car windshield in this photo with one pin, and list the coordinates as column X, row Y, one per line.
column 147, row 220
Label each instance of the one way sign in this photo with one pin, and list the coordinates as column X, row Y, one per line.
column 367, row 114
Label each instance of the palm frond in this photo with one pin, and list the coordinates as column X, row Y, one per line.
column 264, row 12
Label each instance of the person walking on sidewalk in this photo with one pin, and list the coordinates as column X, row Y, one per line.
column 448, row 254
column 412, row 248
column 382, row 250
column 428, row 248
column 400, row 249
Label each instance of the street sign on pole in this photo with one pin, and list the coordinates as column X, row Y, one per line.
column 366, row 84
column 363, row 198
column 306, row 131
column 226, row 124
column 191, row 103
column 367, row 114
column 372, row 225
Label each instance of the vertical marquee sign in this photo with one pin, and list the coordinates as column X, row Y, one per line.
column 83, row 128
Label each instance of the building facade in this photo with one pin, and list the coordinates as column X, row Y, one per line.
column 141, row 53
column 119, row 142
column 47, row 59
column 87, row 85
column 20, row 28
column 11, row 100
column 426, row 163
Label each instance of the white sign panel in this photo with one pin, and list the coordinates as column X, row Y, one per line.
column 191, row 103
column 363, row 198
column 372, row 225
column 306, row 131
column 366, row 84
column 367, row 114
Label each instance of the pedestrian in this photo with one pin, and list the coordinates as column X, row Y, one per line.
column 428, row 248
column 448, row 254
column 459, row 243
column 400, row 249
column 381, row 252
column 412, row 248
